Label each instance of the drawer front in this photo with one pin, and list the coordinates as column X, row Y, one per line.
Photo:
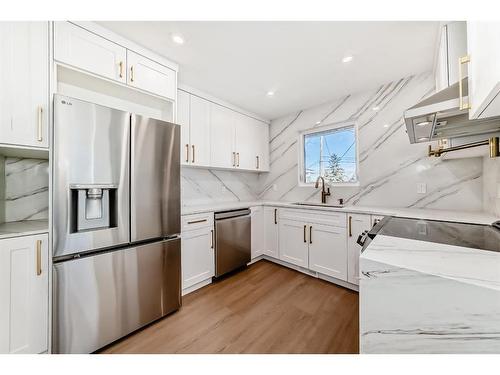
column 337, row 219
column 197, row 221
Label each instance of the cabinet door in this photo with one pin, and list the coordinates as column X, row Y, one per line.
column 24, row 292
column 293, row 243
column 200, row 131
column 442, row 61
column 148, row 75
column 222, row 137
column 271, row 232
column 257, row 231
column 183, row 119
column 197, row 259
column 262, row 147
column 328, row 250
column 82, row 49
column 24, row 81
column 246, row 134
column 484, row 75
column 357, row 224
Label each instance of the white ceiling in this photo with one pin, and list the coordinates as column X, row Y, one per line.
column 301, row 61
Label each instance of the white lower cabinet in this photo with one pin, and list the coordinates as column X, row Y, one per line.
column 24, row 294
column 197, row 255
column 357, row 224
column 327, row 250
column 271, row 232
column 293, row 245
column 257, row 235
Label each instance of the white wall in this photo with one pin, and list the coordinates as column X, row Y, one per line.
column 390, row 167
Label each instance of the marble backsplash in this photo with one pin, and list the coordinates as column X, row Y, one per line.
column 491, row 186
column 25, row 189
column 390, row 167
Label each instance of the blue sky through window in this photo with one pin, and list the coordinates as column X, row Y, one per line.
column 331, row 154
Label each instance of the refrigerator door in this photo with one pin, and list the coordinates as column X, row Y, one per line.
column 91, row 176
column 155, row 179
column 99, row 299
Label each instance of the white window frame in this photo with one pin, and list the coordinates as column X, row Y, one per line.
column 332, row 126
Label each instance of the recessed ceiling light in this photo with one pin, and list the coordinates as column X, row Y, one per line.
column 270, row 93
column 318, row 122
column 423, row 123
column 347, row 59
column 386, row 125
column 376, row 108
column 177, row 39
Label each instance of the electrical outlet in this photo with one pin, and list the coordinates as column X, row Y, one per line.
column 421, row 188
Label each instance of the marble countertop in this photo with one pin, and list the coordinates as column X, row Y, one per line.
column 23, row 228
column 418, row 213
column 467, row 265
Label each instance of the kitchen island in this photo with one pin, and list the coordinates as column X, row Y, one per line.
column 419, row 296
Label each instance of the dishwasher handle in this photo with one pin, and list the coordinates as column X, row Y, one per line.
column 231, row 214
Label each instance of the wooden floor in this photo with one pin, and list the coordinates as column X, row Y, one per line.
column 266, row 308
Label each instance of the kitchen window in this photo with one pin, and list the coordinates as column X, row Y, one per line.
column 331, row 152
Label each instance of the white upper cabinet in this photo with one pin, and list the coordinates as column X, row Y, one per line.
column 246, row 141
column 262, row 147
column 82, row 49
column 452, row 46
column 357, row 224
column 148, row 75
column 199, row 133
column 222, row 122
column 327, row 250
column 271, row 232
column 24, row 81
column 183, row 119
column 24, row 294
column 484, row 73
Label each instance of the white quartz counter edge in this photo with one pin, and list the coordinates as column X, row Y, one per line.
column 418, row 213
column 467, row 265
column 23, row 228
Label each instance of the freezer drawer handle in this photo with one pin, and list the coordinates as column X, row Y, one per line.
column 197, row 221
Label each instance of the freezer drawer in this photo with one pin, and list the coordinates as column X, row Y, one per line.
column 155, row 201
column 99, row 299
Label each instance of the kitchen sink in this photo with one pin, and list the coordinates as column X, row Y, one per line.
column 318, row 204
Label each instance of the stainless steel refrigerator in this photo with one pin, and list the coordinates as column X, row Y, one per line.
column 116, row 224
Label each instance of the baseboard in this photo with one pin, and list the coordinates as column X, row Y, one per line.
column 196, row 286
column 308, row 272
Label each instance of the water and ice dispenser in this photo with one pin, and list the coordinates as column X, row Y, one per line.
column 93, row 207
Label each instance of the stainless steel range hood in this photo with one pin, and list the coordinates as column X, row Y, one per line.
column 439, row 117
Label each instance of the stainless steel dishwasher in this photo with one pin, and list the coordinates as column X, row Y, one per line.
column 232, row 240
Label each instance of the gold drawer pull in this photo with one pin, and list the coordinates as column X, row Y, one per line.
column 197, row 221
column 132, row 73
column 187, row 153
column 38, row 257
column 121, row 69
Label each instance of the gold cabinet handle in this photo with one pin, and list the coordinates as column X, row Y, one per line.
column 257, row 162
column 197, row 221
column 310, row 234
column 275, row 216
column 350, row 226
column 132, row 73
column 461, row 61
column 187, row 153
column 305, row 240
column 192, row 160
column 40, row 124
column 238, row 156
column 38, row 257
column 234, row 159
column 121, row 69
column 212, row 236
